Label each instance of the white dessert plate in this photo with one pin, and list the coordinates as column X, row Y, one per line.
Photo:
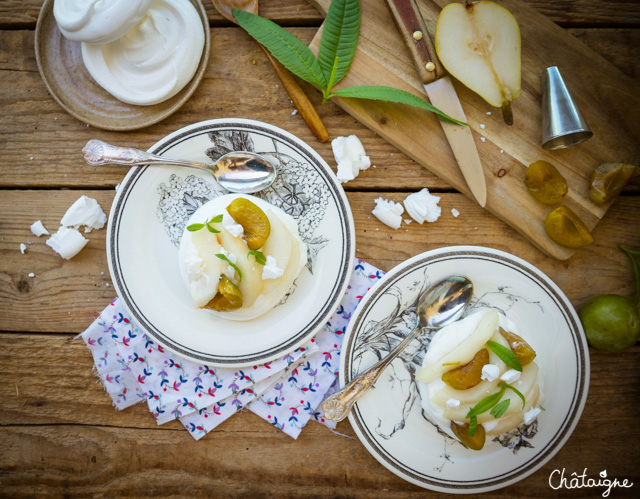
column 389, row 419
column 70, row 84
column 148, row 217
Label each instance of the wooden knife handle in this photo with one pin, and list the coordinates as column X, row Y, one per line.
column 300, row 100
column 414, row 33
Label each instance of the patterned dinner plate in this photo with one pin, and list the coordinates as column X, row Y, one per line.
column 149, row 214
column 389, row 419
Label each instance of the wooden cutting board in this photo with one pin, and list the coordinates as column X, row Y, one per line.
column 608, row 99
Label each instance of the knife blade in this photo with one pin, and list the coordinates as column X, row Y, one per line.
column 441, row 93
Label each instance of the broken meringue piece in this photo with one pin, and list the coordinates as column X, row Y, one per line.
column 423, row 206
column 388, row 212
column 67, row 242
column 85, row 211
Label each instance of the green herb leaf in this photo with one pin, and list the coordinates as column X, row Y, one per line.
column 291, row 52
column 211, row 229
column 224, row 258
column 636, row 269
column 216, row 220
column 339, row 39
column 500, row 409
column 517, row 392
column 473, row 426
column 260, row 258
column 195, row 227
column 486, row 403
column 505, row 354
column 389, row 94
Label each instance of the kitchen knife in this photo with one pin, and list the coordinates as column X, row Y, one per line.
column 441, row 93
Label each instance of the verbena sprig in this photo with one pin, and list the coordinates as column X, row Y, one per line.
column 207, row 224
column 491, row 402
column 505, row 354
column 338, row 45
column 259, row 255
column 235, row 267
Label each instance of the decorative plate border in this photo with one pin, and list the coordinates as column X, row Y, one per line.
column 346, row 229
column 580, row 387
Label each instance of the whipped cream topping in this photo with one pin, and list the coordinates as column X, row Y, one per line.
column 262, row 286
column 98, row 21
column 444, row 404
column 155, row 59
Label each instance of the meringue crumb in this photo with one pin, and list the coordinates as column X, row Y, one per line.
column 483, row 139
column 488, row 113
column 31, row 274
column 482, row 126
column 23, row 248
column 455, row 212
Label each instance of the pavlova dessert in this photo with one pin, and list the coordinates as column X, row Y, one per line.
column 479, row 379
column 239, row 256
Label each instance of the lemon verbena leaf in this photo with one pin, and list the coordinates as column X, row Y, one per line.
column 499, row 410
column 259, row 255
column 235, row 267
column 195, row 227
column 517, row 392
column 486, row 403
column 505, row 354
column 339, row 39
column 473, row 426
column 291, row 52
column 390, row 94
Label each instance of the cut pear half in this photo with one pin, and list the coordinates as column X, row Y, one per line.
column 479, row 44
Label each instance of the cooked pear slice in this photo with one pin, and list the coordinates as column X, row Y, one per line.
column 465, row 351
column 204, row 247
column 279, row 245
column 479, row 44
column 251, row 283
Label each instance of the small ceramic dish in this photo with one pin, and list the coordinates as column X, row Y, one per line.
column 70, row 84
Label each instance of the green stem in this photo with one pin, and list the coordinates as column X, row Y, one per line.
column 327, row 91
column 636, row 269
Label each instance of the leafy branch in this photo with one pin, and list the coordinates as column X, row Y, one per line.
column 337, row 49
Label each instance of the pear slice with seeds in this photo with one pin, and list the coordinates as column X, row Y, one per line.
column 479, row 44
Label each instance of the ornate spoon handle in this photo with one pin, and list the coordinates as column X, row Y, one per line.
column 337, row 406
column 97, row 153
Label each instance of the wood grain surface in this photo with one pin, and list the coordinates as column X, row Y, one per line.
column 61, row 435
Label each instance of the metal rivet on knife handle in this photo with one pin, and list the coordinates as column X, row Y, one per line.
column 417, row 35
column 430, row 66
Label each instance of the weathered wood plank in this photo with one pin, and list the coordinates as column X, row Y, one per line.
column 66, row 296
column 18, row 14
column 62, row 438
column 36, row 129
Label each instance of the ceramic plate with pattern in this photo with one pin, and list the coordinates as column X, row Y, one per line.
column 389, row 419
column 148, row 217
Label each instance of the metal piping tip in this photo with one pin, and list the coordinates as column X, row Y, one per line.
column 562, row 122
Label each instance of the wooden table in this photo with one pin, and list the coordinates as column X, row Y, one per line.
column 60, row 434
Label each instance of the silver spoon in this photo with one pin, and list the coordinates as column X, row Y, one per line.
column 441, row 304
column 242, row 172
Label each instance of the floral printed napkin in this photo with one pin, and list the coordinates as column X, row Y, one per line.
column 286, row 392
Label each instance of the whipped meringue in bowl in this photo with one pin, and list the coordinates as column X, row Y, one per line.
column 98, row 21
column 152, row 61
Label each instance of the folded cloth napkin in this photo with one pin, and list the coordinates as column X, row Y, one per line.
column 286, row 392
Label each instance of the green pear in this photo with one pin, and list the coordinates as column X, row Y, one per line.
column 479, row 44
